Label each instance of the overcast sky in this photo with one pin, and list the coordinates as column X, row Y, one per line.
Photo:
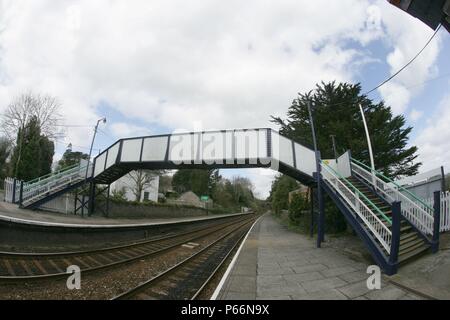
column 154, row 66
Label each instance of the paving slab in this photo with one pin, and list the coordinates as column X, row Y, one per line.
column 280, row 264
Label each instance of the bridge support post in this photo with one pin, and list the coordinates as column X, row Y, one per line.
column 311, row 227
column 21, row 194
column 14, row 190
column 395, row 241
column 437, row 222
column 91, row 205
column 321, row 220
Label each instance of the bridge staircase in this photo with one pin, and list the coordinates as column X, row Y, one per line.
column 34, row 193
column 395, row 225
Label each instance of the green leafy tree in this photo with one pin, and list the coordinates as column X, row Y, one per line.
column 71, row 158
column 33, row 155
column 201, row 182
column 298, row 210
column 336, row 112
column 5, row 150
column 279, row 194
column 46, row 150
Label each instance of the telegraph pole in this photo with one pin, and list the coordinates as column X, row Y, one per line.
column 333, row 140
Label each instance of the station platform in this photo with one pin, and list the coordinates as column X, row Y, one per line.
column 277, row 264
column 11, row 213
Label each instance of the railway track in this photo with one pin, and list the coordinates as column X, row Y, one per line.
column 30, row 266
column 187, row 279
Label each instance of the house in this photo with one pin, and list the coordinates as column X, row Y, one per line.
column 303, row 191
column 128, row 184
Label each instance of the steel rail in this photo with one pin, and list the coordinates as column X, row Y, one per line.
column 195, row 236
column 145, row 285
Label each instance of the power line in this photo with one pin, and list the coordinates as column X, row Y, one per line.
column 73, row 145
column 406, row 65
column 73, row 126
column 106, row 135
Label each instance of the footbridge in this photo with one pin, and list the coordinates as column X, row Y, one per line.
column 395, row 225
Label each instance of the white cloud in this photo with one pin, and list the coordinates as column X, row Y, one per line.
column 125, row 130
column 434, row 140
column 415, row 115
column 178, row 62
column 174, row 63
column 406, row 35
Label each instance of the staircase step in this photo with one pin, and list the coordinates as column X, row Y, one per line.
column 404, row 247
column 407, row 236
column 411, row 254
column 412, row 239
column 404, row 229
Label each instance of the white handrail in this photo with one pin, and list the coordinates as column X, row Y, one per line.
column 32, row 192
column 418, row 213
column 381, row 232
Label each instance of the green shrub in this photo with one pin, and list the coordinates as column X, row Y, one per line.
column 299, row 214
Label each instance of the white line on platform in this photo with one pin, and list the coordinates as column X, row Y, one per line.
column 233, row 262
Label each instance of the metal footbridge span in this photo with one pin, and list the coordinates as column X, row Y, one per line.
column 395, row 225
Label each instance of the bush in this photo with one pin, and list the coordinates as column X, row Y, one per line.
column 299, row 215
column 298, row 212
column 334, row 220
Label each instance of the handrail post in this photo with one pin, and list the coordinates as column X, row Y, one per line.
column 436, row 222
column 14, row 191
column 21, row 194
column 395, row 241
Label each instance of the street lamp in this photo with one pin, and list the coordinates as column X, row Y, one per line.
column 92, row 144
column 369, row 144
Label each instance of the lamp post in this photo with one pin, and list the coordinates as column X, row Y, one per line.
column 369, row 144
column 92, row 187
column 92, row 144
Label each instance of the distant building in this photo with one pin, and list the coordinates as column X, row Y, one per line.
column 126, row 183
column 303, row 191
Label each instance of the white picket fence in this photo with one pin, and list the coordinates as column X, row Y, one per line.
column 445, row 210
column 9, row 189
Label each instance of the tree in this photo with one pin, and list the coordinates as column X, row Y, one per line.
column 44, row 108
column 71, row 158
column 33, row 155
column 165, row 184
column 119, row 195
column 201, row 182
column 5, row 150
column 336, row 112
column 279, row 194
column 141, row 179
column 46, row 153
column 233, row 194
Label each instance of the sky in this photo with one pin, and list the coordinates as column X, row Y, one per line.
column 152, row 67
